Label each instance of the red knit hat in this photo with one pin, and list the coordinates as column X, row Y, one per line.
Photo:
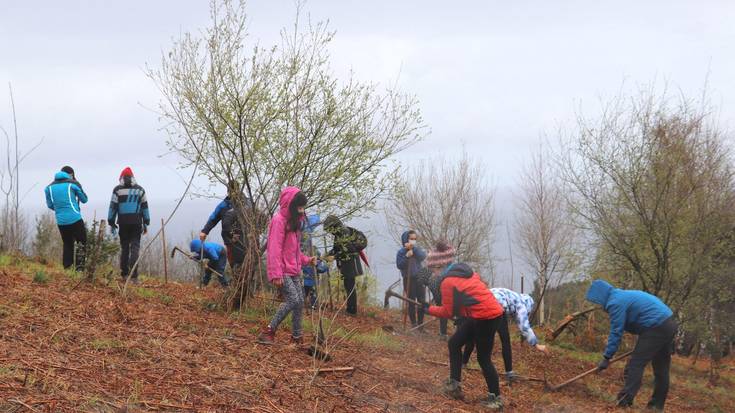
column 126, row 172
column 441, row 256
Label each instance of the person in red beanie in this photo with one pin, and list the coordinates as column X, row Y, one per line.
column 465, row 296
column 129, row 215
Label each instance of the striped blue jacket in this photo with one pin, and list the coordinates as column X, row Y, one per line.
column 63, row 196
column 129, row 205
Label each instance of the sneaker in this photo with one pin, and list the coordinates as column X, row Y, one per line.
column 297, row 340
column 651, row 407
column 267, row 336
column 493, row 402
column 452, row 389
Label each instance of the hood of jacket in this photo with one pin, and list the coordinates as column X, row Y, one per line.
column 195, row 245
column 61, row 176
column 404, row 238
column 460, row 270
column 599, row 292
column 287, row 195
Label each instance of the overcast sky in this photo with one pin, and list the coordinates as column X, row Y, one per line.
column 494, row 75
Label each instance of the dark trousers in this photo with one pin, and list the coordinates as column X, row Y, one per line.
column 415, row 291
column 235, row 255
column 220, row 265
column 310, row 297
column 351, row 291
column 129, row 248
column 504, row 334
column 655, row 346
column 74, row 236
column 443, row 326
column 482, row 333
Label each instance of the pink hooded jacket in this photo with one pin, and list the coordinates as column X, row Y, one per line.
column 284, row 257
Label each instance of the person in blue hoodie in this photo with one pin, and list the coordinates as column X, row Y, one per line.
column 409, row 259
column 216, row 254
column 645, row 315
column 311, row 280
column 63, row 196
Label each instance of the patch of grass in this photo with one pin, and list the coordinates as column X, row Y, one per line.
column 256, row 315
column 7, row 370
column 144, row 293
column 580, row 355
column 5, row 260
column 40, row 277
column 377, row 339
column 166, row 299
column 105, row 344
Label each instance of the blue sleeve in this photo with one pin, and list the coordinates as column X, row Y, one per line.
column 145, row 210
column 49, row 204
column 401, row 260
column 321, row 267
column 214, row 218
column 112, row 212
column 80, row 194
column 617, row 327
column 213, row 253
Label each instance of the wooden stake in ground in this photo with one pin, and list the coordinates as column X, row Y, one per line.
column 165, row 252
column 329, row 278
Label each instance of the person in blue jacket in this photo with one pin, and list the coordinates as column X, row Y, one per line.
column 644, row 314
column 409, row 259
column 216, row 254
column 311, row 280
column 63, row 196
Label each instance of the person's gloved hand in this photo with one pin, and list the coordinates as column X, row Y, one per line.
column 409, row 254
column 424, row 309
column 603, row 364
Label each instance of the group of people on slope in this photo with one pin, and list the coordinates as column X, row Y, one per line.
column 460, row 294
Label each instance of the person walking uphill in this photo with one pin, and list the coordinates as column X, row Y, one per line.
column 409, row 259
column 63, row 196
column 644, row 314
column 465, row 296
column 129, row 216
column 284, row 261
column 348, row 244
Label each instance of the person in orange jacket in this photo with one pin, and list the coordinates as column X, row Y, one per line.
column 466, row 297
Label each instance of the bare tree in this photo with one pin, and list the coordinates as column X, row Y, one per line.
column 448, row 201
column 544, row 230
column 270, row 117
column 13, row 224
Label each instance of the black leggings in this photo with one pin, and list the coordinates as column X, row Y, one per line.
column 74, row 237
column 504, row 334
column 482, row 333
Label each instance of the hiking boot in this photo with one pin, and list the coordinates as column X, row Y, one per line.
column 651, row 407
column 493, row 402
column 267, row 336
column 297, row 340
column 452, row 389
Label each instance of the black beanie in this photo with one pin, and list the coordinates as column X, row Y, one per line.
column 68, row 169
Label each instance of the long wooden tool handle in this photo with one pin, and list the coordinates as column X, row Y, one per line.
column 408, row 300
column 587, row 373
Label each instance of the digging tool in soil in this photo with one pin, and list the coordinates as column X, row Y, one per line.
column 585, row 374
column 191, row 257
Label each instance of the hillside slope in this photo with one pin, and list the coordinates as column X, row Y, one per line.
column 163, row 349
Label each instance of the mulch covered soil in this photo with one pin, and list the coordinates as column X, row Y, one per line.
column 163, row 349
